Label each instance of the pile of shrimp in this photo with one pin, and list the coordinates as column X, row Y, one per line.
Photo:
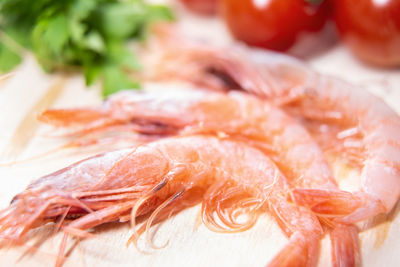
column 241, row 136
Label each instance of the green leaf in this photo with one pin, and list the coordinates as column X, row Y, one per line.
column 130, row 62
column 77, row 30
column 8, row 58
column 81, row 9
column 119, row 54
column 90, row 34
column 94, row 41
column 91, row 72
column 160, row 13
column 115, row 79
column 56, row 33
column 49, row 37
column 20, row 34
column 121, row 20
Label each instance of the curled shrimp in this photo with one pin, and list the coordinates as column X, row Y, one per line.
column 365, row 128
column 368, row 119
column 163, row 176
column 234, row 116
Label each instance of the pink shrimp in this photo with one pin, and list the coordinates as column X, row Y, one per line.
column 233, row 115
column 183, row 111
column 325, row 101
column 164, row 176
column 222, row 68
column 359, row 113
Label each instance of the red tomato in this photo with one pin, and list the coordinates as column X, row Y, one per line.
column 272, row 24
column 205, row 7
column 371, row 28
column 317, row 14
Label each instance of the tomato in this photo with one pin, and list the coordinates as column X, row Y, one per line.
column 371, row 29
column 317, row 15
column 273, row 24
column 205, row 7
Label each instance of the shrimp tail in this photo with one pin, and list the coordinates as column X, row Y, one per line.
column 86, row 118
column 345, row 246
column 346, row 207
column 327, row 202
column 72, row 117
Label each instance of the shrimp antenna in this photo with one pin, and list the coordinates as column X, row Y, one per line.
column 69, row 231
column 138, row 204
column 60, row 256
column 60, row 222
column 38, row 156
column 72, row 144
column 34, row 249
column 135, row 235
column 154, row 215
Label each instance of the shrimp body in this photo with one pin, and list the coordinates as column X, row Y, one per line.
column 234, row 116
column 379, row 128
column 164, row 176
column 322, row 100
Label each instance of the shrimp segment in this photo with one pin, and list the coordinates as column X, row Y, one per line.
column 167, row 173
column 233, row 116
column 322, row 100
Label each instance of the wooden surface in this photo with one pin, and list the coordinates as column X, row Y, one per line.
column 28, row 91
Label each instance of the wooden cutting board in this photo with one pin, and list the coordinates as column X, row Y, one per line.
column 29, row 90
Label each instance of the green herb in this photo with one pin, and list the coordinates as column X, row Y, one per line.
column 89, row 34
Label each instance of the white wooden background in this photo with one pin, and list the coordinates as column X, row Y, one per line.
column 29, row 90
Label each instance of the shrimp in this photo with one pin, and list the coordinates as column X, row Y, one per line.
column 229, row 178
column 181, row 111
column 224, row 68
column 365, row 128
column 359, row 113
column 234, row 116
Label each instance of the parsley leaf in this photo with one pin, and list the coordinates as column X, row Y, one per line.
column 88, row 34
column 116, row 79
column 8, row 58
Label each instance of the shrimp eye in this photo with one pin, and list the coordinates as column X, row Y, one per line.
column 225, row 78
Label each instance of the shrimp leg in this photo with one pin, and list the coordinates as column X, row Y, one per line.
column 303, row 244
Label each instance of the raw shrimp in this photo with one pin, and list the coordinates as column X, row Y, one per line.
column 358, row 113
column 233, row 115
column 368, row 128
column 222, row 68
column 183, row 111
column 230, row 178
